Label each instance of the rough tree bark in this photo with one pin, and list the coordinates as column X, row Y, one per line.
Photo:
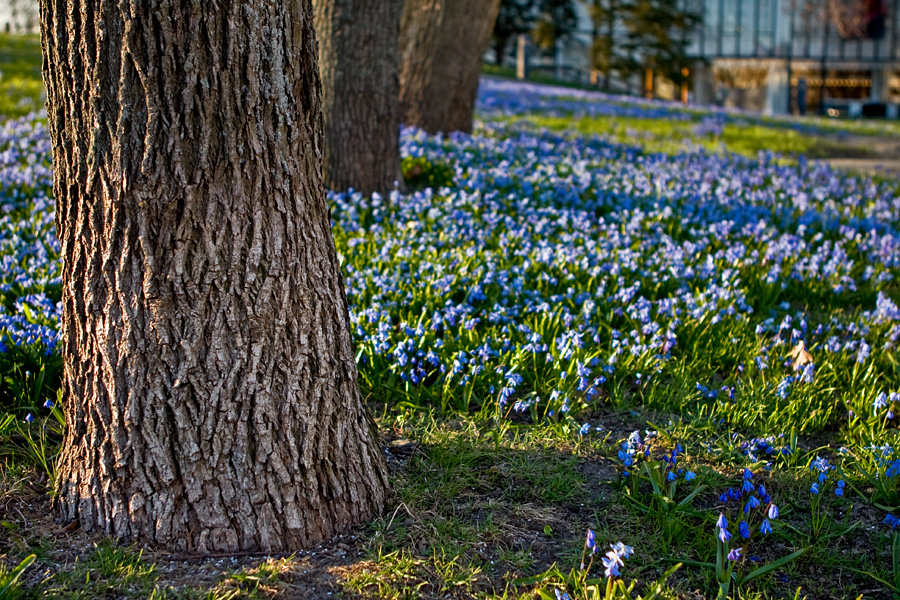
column 359, row 62
column 211, row 387
column 441, row 46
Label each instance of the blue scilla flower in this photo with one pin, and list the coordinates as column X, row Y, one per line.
column 29, row 418
column 814, row 488
column 819, row 464
column 611, row 563
column 744, row 529
column 48, row 404
column 561, row 595
column 735, row 554
column 722, row 523
column 689, row 476
column 748, row 487
column 765, row 528
column 585, row 429
column 622, row 550
column 590, row 541
column 891, row 520
column 752, row 503
column 671, row 476
column 724, row 534
column 773, row 511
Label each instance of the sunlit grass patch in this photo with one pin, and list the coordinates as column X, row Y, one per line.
column 21, row 86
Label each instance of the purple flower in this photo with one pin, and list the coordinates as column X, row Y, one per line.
column 735, row 554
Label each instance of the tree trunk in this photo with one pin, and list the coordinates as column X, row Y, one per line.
column 359, row 62
column 441, row 46
column 210, row 379
column 500, row 44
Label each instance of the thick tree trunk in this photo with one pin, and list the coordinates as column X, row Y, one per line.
column 211, row 387
column 441, row 46
column 359, row 61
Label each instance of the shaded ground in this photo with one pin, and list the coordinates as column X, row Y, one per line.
column 473, row 512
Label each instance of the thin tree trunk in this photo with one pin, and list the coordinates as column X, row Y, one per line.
column 359, row 61
column 441, row 46
column 211, row 389
column 500, row 44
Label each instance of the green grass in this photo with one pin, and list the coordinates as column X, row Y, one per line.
column 672, row 137
column 21, row 86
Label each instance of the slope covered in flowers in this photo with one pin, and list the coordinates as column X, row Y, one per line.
column 557, row 270
column 551, row 277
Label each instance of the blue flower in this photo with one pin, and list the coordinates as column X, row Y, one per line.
column 722, row 523
column 689, row 476
column 814, row 488
column 622, row 550
column 29, row 418
column 744, row 529
column 765, row 527
column 561, row 595
column 611, row 563
column 773, row 511
column 48, row 404
column 735, row 554
column 892, row 521
column 590, row 541
column 724, row 534
column 747, row 487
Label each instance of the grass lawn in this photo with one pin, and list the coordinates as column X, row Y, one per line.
column 21, row 88
column 589, row 335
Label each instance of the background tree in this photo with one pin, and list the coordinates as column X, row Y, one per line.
column 442, row 43
column 515, row 17
column 556, row 20
column 658, row 37
column 210, row 378
column 359, row 62
column 607, row 55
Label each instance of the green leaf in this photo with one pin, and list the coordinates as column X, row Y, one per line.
column 658, row 586
column 687, row 500
column 840, row 533
column 7, row 583
column 690, row 563
column 896, row 552
column 772, row 566
column 540, row 578
column 656, row 489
